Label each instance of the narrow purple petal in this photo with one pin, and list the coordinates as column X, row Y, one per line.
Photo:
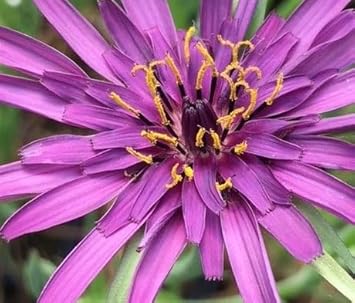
column 243, row 16
column 62, row 149
column 194, row 212
column 247, row 254
column 31, row 56
column 313, row 184
column 21, row 181
column 159, row 257
column 63, row 203
column 212, row 249
column 294, row 232
column 264, row 126
column 78, row 33
column 205, row 180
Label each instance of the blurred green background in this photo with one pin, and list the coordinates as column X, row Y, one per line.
column 26, row 264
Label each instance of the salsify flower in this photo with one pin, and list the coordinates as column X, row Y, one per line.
column 197, row 136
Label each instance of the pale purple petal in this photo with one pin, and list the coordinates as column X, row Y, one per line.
column 243, row 16
column 247, row 254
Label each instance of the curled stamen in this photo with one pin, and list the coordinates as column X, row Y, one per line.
column 189, row 172
column 224, row 186
column 176, row 178
column 160, row 108
column 124, row 104
column 188, row 37
column 240, row 83
column 144, row 158
column 277, row 89
column 174, row 69
column 253, row 98
column 199, row 137
column 253, row 69
column 150, row 79
column 201, row 73
column 235, row 47
column 240, row 148
column 227, row 121
column 217, row 145
column 207, row 57
column 154, row 137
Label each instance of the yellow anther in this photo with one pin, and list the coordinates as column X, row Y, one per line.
column 240, row 83
column 253, row 69
column 174, row 69
column 235, row 47
column 253, row 98
column 138, row 67
column 123, row 104
column 199, row 137
column 225, row 42
column 240, row 148
column 217, row 145
column 189, row 172
column 188, row 37
column 277, row 89
column 154, row 137
column 207, row 58
column 225, row 185
column 160, row 108
column 144, row 158
column 229, row 79
column 150, row 79
column 176, row 178
column 227, row 121
column 201, row 73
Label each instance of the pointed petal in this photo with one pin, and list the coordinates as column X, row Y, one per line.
column 62, row 149
column 294, row 232
column 31, row 56
column 21, row 181
column 247, row 254
column 194, row 212
column 212, row 249
column 63, row 203
column 31, row 96
column 78, row 33
column 83, row 264
column 313, row 184
column 205, row 178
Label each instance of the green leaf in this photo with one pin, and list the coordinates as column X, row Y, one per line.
column 258, row 18
column 184, row 11
column 286, row 8
column 329, row 236
column 335, row 275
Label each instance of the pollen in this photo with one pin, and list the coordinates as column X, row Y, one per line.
column 240, row 83
column 277, row 89
column 217, row 145
column 188, row 37
column 240, row 148
column 253, row 98
column 227, row 121
column 144, row 158
column 207, row 63
column 253, row 69
column 154, row 137
column 224, row 186
column 189, row 172
column 161, row 111
column 235, row 47
column 124, row 104
column 176, row 178
column 174, row 69
column 199, row 137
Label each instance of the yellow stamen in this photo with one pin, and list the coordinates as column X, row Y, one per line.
column 235, row 47
column 150, row 79
column 199, row 137
column 229, row 79
column 217, row 145
column 208, row 62
column 253, row 69
column 144, row 158
column 189, row 172
column 253, row 98
column 188, row 37
column 277, row 89
column 176, row 178
column 123, row 104
column 201, row 73
column 160, row 108
column 174, row 69
column 138, row 67
column 224, row 186
column 154, row 137
column 240, row 83
column 240, row 148
column 227, row 121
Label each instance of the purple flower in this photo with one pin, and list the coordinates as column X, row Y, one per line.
column 198, row 138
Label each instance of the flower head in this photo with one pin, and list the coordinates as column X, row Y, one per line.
column 200, row 136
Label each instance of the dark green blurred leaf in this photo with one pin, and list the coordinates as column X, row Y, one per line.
column 97, row 292
column 286, row 8
column 184, row 11
column 258, row 18
column 8, row 133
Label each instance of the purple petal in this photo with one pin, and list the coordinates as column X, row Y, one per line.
column 83, row 38
column 20, row 181
column 159, row 257
column 31, row 56
column 205, row 178
column 246, row 182
column 212, row 249
column 294, row 232
column 308, row 20
column 317, row 186
column 264, row 126
column 247, row 254
column 31, row 96
column 62, row 149
column 326, row 152
column 83, row 264
column 125, row 34
column 63, row 203
column 243, row 16
column 194, row 212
